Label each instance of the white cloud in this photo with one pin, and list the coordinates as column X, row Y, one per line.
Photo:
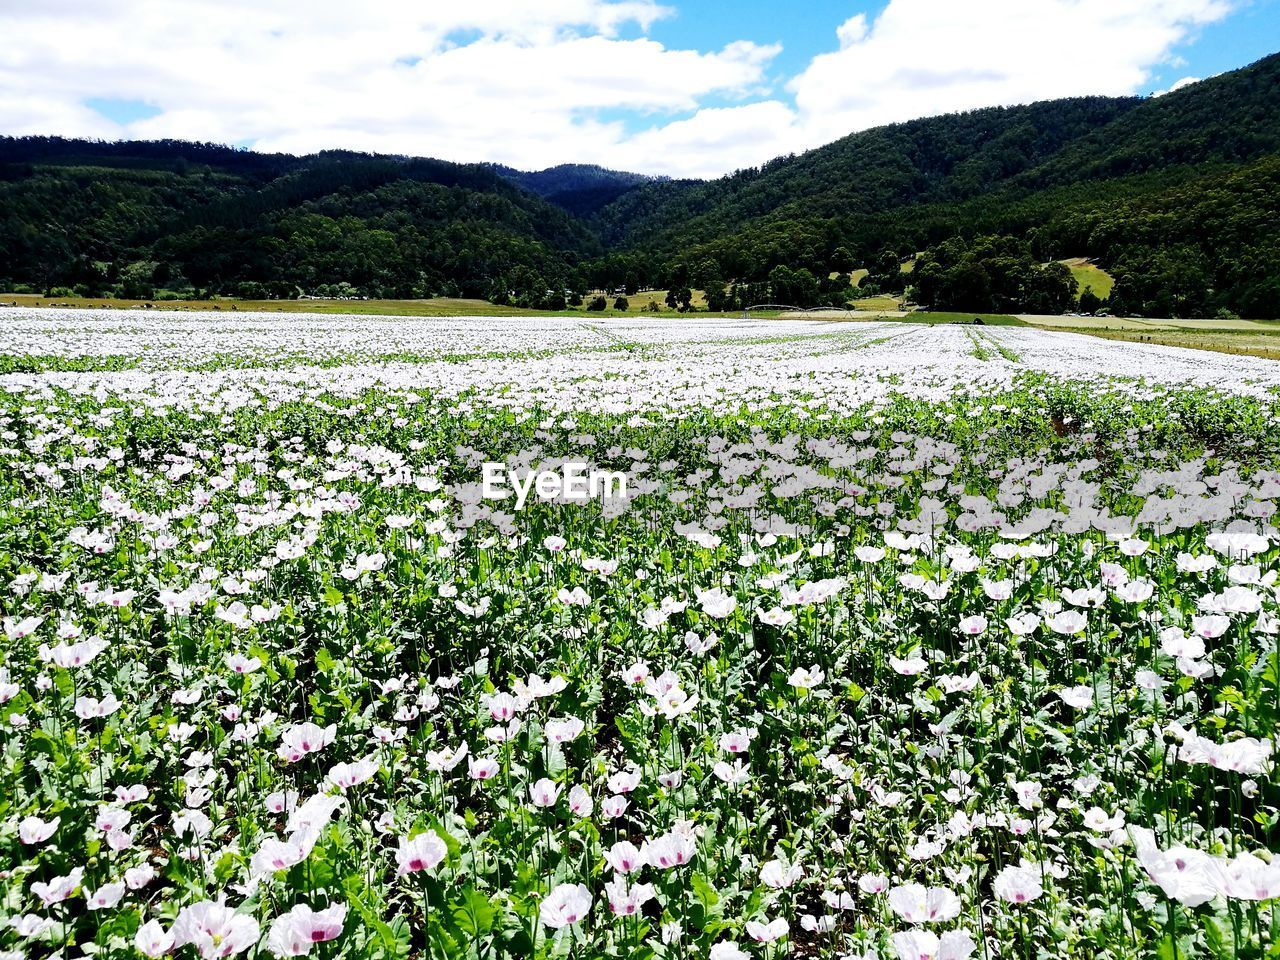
column 713, row 141
column 852, row 30
column 493, row 99
column 925, row 57
column 1177, row 85
column 533, row 84
column 921, row 58
column 35, row 112
column 508, row 80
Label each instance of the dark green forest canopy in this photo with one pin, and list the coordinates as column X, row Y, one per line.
column 1176, row 196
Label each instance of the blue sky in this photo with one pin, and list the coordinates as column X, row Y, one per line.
column 1248, row 34
column 681, row 87
column 122, row 110
column 805, row 29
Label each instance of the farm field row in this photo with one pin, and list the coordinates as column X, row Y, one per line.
column 622, row 351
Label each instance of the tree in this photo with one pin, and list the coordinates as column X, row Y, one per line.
column 136, row 280
column 621, row 304
column 1262, row 301
column 886, row 262
column 718, row 298
column 990, row 274
column 597, row 303
column 1052, row 289
column 680, row 298
column 1090, row 302
column 499, row 293
column 704, row 272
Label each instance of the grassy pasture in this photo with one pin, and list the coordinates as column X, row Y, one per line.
column 1236, row 325
column 1223, row 341
column 1241, row 337
column 1094, row 323
column 1090, row 276
column 639, row 302
column 876, row 303
column 1260, row 327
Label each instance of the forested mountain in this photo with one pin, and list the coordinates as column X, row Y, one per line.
column 1001, row 155
column 140, row 216
column 1171, row 192
column 940, row 158
column 1175, row 195
column 582, row 189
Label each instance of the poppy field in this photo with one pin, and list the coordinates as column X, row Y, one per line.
column 905, row 642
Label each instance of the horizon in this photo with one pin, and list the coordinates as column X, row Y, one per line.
column 610, row 83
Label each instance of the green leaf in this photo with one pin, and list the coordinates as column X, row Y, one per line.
column 475, row 915
column 704, row 892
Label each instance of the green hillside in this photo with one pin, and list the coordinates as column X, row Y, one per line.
column 1090, row 276
column 133, row 219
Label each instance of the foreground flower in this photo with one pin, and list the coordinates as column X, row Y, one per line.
column 105, row 897
column 302, row 739
column 16, row 629
column 344, row 776
column 1192, row 877
column 580, row 802
column 565, row 905
column 775, row 929
column 59, row 888
column 34, row 831
column 673, row 849
column 623, row 857
column 423, row 852
column 89, row 708
column 917, row 903
column 293, row 933
column 779, row 875
column 153, row 939
column 805, row 679
column 1248, row 878
column 214, row 929
column 627, row 901
column 482, row 768
column 1079, row 697
column 925, row 945
column 1018, row 884
column 544, row 793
